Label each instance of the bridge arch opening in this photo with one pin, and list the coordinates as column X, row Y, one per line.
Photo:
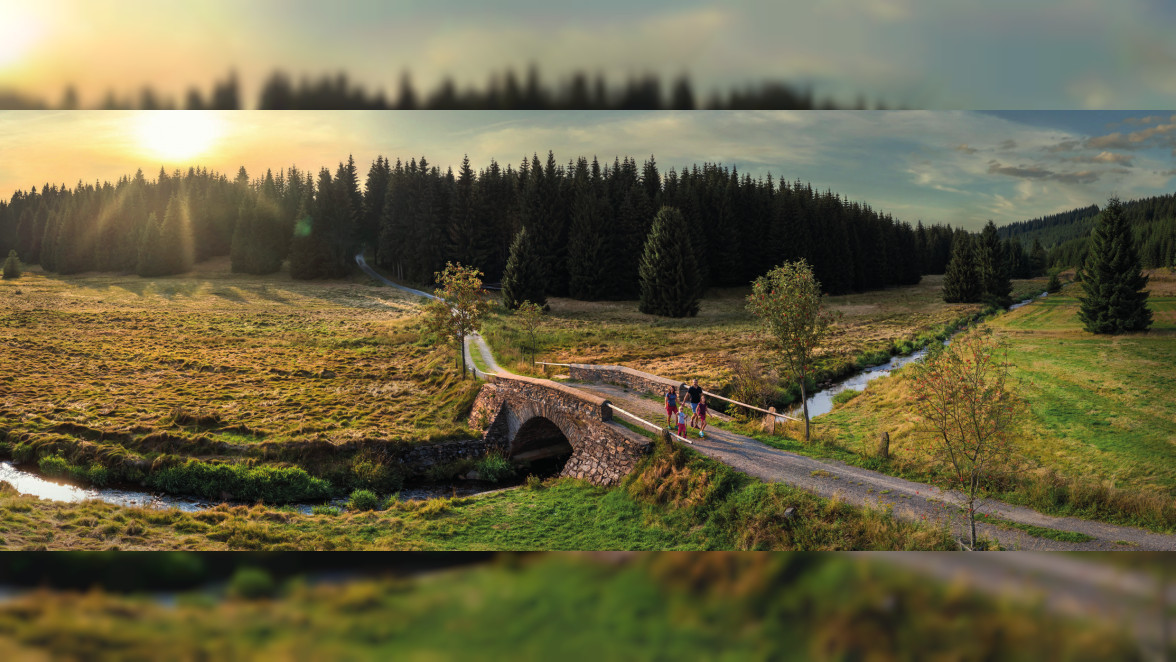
column 540, row 448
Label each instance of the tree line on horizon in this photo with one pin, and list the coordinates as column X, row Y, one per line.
column 1065, row 235
column 582, row 225
column 505, row 91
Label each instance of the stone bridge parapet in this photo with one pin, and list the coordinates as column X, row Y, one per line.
column 634, row 380
column 523, row 416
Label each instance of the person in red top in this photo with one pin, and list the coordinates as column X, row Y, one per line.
column 671, row 405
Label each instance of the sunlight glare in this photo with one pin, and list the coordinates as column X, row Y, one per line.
column 176, row 135
column 20, row 30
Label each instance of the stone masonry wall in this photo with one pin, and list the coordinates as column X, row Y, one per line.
column 628, row 377
column 603, row 451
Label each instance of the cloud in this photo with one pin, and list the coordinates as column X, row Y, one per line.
column 1064, row 146
column 1136, row 139
column 1150, row 119
column 1103, row 157
column 1008, row 144
column 1039, row 173
column 963, row 147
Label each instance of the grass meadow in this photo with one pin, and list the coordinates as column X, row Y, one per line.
column 649, row 607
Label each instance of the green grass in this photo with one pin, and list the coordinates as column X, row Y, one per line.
column 1097, row 441
column 1041, row 531
column 656, row 607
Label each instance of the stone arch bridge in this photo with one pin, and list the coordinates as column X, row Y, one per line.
column 528, row 419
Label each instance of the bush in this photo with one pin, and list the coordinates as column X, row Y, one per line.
column 364, row 500
column 239, row 481
column 533, row 483
column 12, row 266
column 370, row 473
column 494, row 468
column 325, row 510
column 251, row 583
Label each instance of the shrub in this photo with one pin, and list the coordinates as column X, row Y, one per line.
column 494, row 468
column 533, row 482
column 371, row 473
column 251, row 583
column 364, row 500
column 325, row 510
column 239, row 481
column 12, row 266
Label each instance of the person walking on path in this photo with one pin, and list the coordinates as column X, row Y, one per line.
column 694, row 396
column 701, row 411
column 671, row 405
column 682, row 422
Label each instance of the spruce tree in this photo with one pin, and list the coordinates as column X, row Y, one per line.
column 961, row 282
column 1112, row 278
column 148, row 264
column 12, row 266
column 670, row 283
column 1037, row 259
column 993, row 267
column 523, row 278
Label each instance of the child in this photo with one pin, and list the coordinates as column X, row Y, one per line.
column 671, row 405
column 682, row 422
column 701, row 411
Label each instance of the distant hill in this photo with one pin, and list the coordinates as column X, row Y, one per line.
column 1064, row 235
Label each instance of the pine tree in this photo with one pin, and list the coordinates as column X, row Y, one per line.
column 993, row 268
column 12, row 266
column 1037, row 259
column 670, row 285
column 961, row 282
column 148, row 264
column 523, row 278
column 1112, row 278
column 587, row 236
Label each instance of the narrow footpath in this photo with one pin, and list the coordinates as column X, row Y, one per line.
column 907, row 500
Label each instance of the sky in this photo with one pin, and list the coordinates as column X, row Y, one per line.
column 999, row 54
column 958, row 167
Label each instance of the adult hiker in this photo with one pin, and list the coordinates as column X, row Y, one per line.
column 694, row 396
column 671, row 405
column 701, row 409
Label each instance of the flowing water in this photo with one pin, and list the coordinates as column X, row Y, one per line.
column 31, row 484
column 821, row 402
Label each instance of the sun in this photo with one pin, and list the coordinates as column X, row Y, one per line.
column 20, row 30
column 178, row 135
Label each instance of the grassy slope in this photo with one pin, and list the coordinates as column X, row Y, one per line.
column 658, row 607
column 1102, row 408
column 678, row 500
column 178, row 365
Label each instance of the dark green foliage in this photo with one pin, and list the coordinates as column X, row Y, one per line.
column 993, row 268
column 250, row 583
column 523, row 279
column 1054, row 285
column 364, row 500
column 589, row 247
column 239, row 482
column 12, row 266
column 961, row 281
column 1038, row 261
column 588, row 231
column 166, row 248
column 670, row 283
column 494, row 468
column 1112, row 278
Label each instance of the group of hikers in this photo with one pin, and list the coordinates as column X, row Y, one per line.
column 695, row 401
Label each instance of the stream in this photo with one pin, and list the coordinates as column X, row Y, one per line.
column 821, row 402
column 29, row 483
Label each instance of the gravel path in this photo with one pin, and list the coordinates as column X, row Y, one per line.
column 827, row 478
column 908, row 500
